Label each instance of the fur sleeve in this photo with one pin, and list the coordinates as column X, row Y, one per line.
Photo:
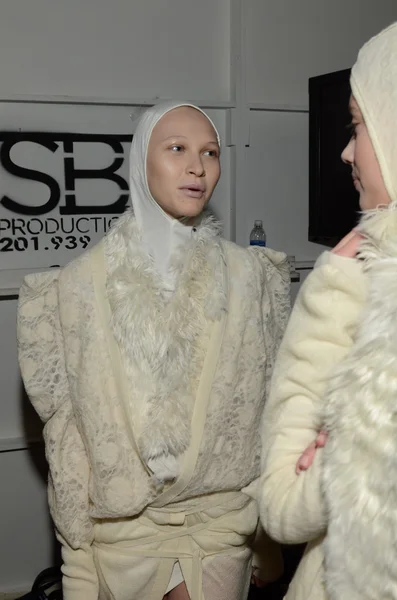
column 360, row 467
column 42, row 363
column 318, row 336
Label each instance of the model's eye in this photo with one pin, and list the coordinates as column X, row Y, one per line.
column 212, row 153
column 177, row 148
column 352, row 127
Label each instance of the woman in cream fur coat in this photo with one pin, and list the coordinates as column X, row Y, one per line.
column 337, row 372
column 148, row 358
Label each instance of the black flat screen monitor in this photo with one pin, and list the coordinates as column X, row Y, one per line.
column 333, row 200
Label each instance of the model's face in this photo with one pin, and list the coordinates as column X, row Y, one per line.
column 360, row 155
column 183, row 165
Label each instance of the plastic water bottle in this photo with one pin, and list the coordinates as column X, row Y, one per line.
column 258, row 235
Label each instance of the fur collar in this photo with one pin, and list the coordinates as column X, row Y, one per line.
column 161, row 338
column 379, row 229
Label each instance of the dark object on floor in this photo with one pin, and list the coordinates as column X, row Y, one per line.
column 277, row 590
column 47, row 586
column 273, row 591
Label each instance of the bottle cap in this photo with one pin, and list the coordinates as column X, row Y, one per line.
column 258, row 223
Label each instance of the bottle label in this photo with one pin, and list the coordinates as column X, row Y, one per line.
column 257, row 243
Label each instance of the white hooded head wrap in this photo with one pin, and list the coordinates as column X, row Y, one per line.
column 374, row 86
column 161, row 234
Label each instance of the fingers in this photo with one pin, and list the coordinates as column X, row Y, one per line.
column 259, row 583
column 306, row 460
column 255, row 580
column 321, row 439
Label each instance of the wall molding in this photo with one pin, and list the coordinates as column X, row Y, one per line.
column 18, row 443
column 104, row 101
column 12, row 595
column 12, row 280
column 291, row 108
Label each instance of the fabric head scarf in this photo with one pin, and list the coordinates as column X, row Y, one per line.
column 374, row 86
column 161, row 234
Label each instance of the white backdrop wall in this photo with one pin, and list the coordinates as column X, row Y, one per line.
column 247, row 59
column 122, row 49
column 285, row 43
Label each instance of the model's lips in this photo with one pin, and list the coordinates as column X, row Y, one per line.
column 356, row 180
column 193, row 190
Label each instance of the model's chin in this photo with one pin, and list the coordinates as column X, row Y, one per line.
column 193, row 207
column 368, row 202
column 364, row 204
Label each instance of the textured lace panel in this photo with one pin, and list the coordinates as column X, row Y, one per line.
column 115, row 467
column 275, row 287
column 230, row 450
column 161, row 339
column 45, row 381
column 42, row 363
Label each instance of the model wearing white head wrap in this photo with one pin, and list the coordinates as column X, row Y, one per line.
column 374, row 86
column 149, row 368
column 162, row 235
column 337, row 369
column 360, row 474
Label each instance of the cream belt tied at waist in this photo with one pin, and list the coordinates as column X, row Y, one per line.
column 212, row 525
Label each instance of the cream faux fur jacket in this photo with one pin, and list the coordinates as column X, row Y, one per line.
column 337, row 367
column 119, row 373
column 360, row 459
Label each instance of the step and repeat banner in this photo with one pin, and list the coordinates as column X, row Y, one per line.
column 64, row 181
column 60, row 192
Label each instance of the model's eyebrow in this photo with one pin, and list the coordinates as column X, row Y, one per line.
column 176, row 136
column 173, row 137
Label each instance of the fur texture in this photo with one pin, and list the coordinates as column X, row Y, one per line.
column 360, row 459
column 161, row 338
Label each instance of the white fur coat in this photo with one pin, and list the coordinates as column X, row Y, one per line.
column 360, row 459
